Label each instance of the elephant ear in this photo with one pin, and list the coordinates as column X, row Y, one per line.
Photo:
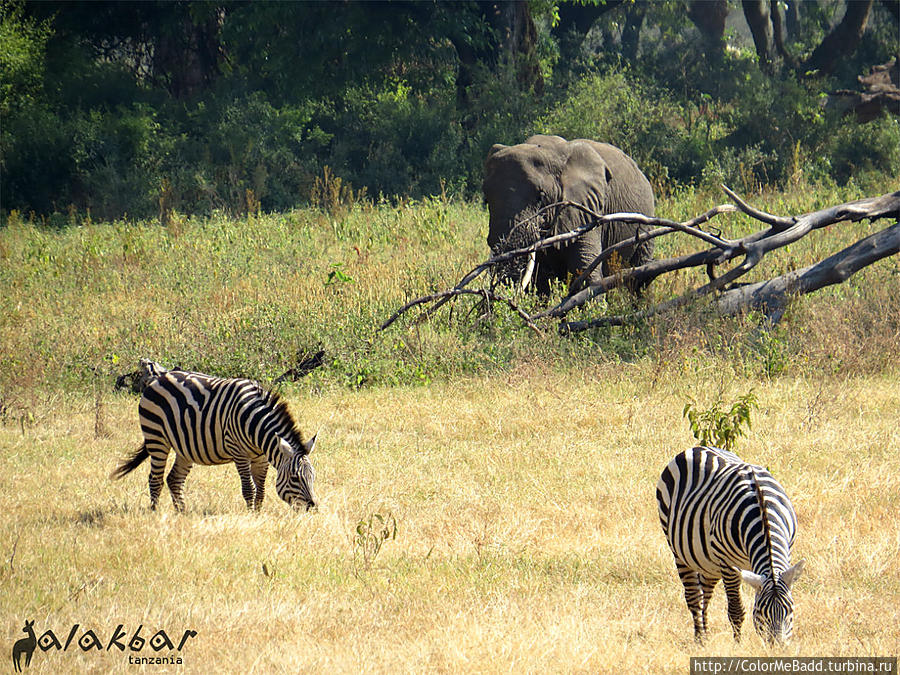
column 584, row 180
column 495, row 148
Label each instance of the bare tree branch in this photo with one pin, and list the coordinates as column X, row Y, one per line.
column 773, row 295
column 784, row 231
column 488, row 296
column 565, row 237
column 781, row 232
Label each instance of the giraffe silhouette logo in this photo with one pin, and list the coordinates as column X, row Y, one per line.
column 25, row 647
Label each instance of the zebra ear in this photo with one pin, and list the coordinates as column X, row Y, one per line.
column 310, row 444
column 752, row 579
column 789, row 576
column 286, row 450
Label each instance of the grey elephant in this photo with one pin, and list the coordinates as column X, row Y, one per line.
column 520, row 179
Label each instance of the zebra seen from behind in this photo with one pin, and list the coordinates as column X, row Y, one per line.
column 210, row 420
column 726, row 519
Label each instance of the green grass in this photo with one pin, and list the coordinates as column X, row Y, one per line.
column 243, row 297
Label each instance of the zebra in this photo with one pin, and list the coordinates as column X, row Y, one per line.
column 210, row 420
column 726, row 519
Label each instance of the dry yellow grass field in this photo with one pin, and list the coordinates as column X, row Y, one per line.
column 526, row 531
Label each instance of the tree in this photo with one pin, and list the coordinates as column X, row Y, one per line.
column 709, row 16
column 493, row 35
column 842, row 40
column 173, row 45
column 768, row 32
column 23, row 42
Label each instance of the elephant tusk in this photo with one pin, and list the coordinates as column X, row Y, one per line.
column 526, row 278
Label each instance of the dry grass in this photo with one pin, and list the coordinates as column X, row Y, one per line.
column 527, row 533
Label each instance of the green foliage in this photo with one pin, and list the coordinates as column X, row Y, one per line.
column 157, row 108
column 23, row 41
column 864, row 153
column 620, row 109
column 717, row 427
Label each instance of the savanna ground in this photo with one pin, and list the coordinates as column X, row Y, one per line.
column 512, row 474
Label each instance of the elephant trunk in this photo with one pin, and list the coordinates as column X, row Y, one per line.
column 524, row 230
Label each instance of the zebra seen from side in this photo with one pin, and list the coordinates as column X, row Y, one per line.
column 209, row 420
column 726, row 519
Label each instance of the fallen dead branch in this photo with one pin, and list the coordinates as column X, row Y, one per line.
column 443, row 296
column 771, row 296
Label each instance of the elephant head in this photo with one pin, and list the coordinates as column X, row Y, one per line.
column 520, row 180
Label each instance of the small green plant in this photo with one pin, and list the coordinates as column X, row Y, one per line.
column 718, row 427
column 371, row 533
column 337, row 275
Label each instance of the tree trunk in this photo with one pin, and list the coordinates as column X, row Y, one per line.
column 631, row 32
column 792, row 19
column 518, row 40
column 575, row 21
column 187, row 57
column 709, row 17
column 772, row 296
column 843, row 40
column 513, row 36
column 778, row 34
column 757, row 15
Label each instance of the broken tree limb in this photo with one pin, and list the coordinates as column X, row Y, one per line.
column 661, row 226
column 688, row 227
column 487, row 295
column 751, row 249
column 784, row 231
column 771, row 296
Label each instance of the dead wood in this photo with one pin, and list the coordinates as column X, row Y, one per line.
column 771, row 296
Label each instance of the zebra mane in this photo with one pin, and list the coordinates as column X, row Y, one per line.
column 280, row 407
column 765, row 519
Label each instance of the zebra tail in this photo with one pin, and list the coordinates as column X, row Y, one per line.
column 131, row 463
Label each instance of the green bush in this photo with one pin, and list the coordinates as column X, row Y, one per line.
column 668, row 142
column 392, row 141
column 866, row 153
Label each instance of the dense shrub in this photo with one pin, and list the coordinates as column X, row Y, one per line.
column 93, row 123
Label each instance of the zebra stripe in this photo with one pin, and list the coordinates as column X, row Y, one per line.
column 210, row 420
column 726, row 519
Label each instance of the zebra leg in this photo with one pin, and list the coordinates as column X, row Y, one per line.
column 258, row 469
column 693, row 596
column 175, row 480
column 248, row 490
column 158, row 457
column 707, row 586
column 732, row 580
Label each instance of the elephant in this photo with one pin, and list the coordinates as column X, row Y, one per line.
column 520, row 179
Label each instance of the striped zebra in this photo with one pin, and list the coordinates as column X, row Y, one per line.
column 723, row 517
column 210, row 420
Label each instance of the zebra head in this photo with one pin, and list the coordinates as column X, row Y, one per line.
column 773, row 607
column 296, row 475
